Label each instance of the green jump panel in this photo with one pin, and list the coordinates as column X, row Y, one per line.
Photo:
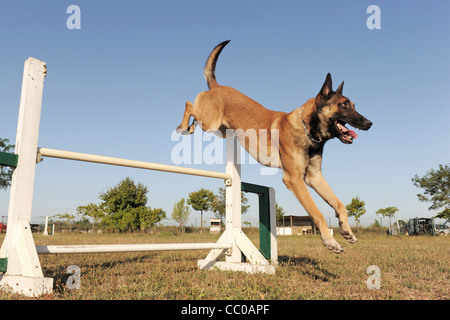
column 3, row 264
column 8, row 159
column 264, row 216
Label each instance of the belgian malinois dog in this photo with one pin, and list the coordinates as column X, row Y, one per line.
column 300, row 137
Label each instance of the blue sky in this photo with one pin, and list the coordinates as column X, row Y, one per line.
column 118, row 86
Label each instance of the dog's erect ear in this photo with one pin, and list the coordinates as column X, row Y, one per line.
column 327, row 89
column 339, row 89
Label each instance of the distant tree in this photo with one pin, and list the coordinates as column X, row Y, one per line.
column 201, row 200
column 122, row 205
column 445, row 214
column 5, row 171
column 388, row 212
column 92, row 210
column 279, row 212
column 123, row 208
column 181, row 213
column 436, row 185
column 148, row 217
column 376, row 224
column 66, row 216
column 126, row 194
column 356, row 208
column 218, row 206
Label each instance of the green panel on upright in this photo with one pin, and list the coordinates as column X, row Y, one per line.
column 8, row 159
column 3, row 264
column 264, row 216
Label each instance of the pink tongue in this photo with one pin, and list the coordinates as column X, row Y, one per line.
column 350, row 132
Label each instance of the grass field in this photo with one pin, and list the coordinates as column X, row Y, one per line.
column 411, row 268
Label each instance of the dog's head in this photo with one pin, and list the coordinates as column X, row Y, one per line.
column 335, row 111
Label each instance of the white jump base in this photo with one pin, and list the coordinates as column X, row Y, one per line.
column 24, row 273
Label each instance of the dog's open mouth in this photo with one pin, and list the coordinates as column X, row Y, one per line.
column 346, row 135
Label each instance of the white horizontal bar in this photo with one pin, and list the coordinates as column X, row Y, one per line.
column 107, row 248
column 69, row 155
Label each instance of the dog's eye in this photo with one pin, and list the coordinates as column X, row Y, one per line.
column 344, row 105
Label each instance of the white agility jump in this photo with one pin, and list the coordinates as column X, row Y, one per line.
column 23, row 273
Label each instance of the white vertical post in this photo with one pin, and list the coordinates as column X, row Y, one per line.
column 45, row 227
column 24, row 273
column 240, row 244
column 233, row 195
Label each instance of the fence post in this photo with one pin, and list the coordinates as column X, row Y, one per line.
column 24, row 274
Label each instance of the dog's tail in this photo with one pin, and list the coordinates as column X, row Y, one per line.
column 210, row 66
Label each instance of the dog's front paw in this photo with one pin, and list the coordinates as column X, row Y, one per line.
column 348, row 235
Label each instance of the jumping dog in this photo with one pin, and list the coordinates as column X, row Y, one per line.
column 301, row 135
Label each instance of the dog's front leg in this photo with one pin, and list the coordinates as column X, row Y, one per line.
column 316, row 181
column 295, row 183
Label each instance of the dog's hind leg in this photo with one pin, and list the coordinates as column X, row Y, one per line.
column 184, row 127
column 316, row 181
column 296, row 184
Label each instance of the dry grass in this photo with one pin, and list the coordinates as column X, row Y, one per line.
column 411, row 268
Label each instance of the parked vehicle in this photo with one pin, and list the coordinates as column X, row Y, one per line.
column 421, row 226
column 442, row 230
column 3, row 225
column 401, row 226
